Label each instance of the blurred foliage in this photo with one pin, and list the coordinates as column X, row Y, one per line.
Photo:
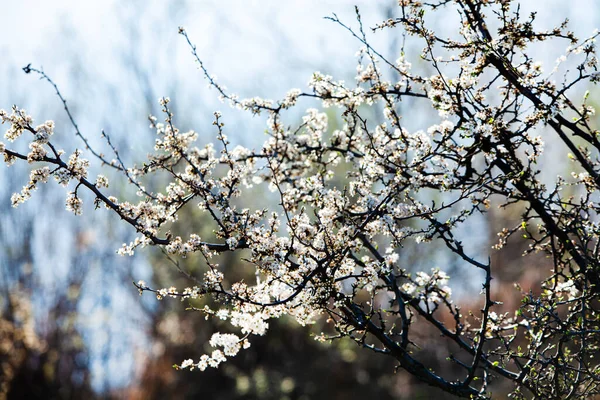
column 52, row 365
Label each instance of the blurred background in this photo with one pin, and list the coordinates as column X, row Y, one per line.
column 72, row 325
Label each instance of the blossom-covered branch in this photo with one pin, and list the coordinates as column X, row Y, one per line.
column 348, row 200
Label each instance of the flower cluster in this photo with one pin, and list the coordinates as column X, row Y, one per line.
column 231, row 345
column 18, row 120
column 429, row 288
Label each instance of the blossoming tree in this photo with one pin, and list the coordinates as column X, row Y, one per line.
column 350, row 199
